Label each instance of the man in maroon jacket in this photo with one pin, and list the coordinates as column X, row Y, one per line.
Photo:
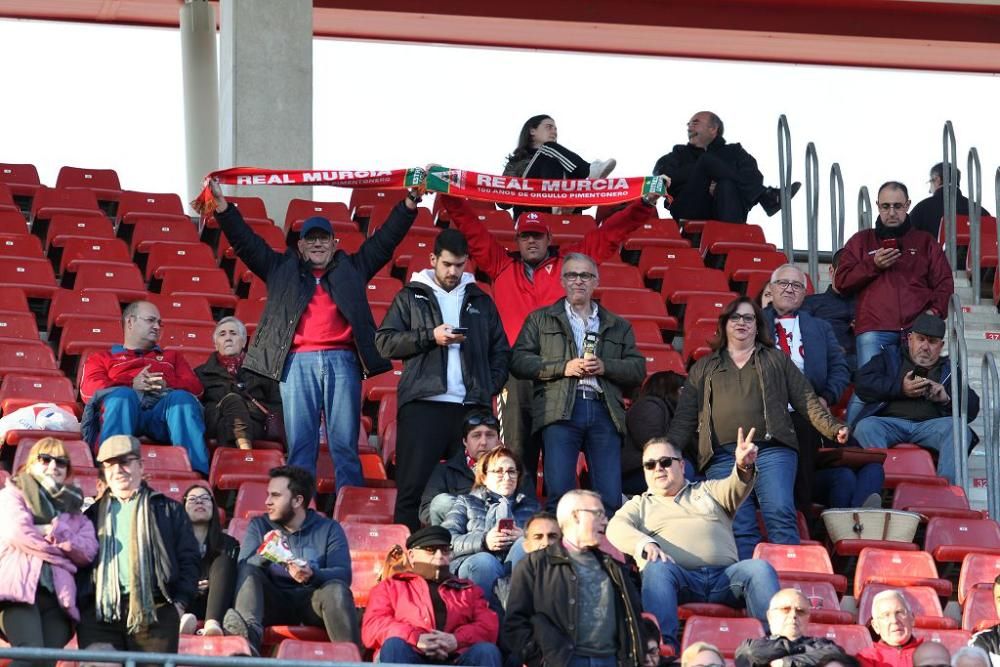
column 137, row 388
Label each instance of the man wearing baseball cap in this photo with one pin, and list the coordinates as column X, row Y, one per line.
column 316, row 335
column 426, row 616
column 907, row 395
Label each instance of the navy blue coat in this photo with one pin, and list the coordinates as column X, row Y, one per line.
column 825, row 363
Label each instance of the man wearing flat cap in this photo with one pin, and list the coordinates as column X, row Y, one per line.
column 907, row 395
column 426, row 616
column 316, row 335
column 148, row 562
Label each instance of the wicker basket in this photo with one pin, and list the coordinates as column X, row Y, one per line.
column 870, row 524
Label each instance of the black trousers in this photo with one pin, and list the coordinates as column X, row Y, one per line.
column 694, row 202
column 160, row 637
column 221, row 590
column 514, row 407
column 427, row 431
column 231, row 419
column 43, row 624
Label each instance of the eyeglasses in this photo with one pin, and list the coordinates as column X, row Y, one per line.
column 749, row 318
column 597, row 514
column 581, row 277
column 507, row 472
column 434, row 548
column 482, row 420
column 318, row 240
column 119, row 461
column 60, row 461
column 199, row 499
column 664, row 462
column 792, row 285
column 895, row 206
column 788, row 609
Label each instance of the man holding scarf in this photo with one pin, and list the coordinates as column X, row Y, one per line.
column 148, row 561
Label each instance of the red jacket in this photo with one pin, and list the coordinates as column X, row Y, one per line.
column 516, row 296
column 890, row 300
column 881, row 654
column 118, row 366
column 401, row 607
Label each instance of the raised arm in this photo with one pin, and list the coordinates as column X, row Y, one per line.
column 488, row 253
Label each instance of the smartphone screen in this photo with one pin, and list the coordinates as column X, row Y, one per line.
column 889, row 244
column 460, row 331
column 506, row 524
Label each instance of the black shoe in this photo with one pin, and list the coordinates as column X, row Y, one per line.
column 770, row 201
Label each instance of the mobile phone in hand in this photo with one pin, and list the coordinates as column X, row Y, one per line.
column 890, row 244
column 460, row 331
column 506, row 524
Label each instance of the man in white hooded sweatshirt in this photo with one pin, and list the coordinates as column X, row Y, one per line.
column 455, row 357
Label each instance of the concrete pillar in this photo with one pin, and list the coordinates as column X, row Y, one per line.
column 266, row 93
column 201, row 92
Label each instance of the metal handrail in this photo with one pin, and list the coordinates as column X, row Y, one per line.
column 957, row 350
column 837, row 208
column 132, row 658
column 785, row 182
column 864, row 209
column 950, row 184
column 975, row 176
column 991, row 432
column 812, row 211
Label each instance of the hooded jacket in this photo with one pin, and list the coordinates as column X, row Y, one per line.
column 320, row 541
column 407, row 333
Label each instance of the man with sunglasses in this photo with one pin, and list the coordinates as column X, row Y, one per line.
column 681, row 534
column 897, row 272
column 788, row 616
column 455, row 476
column 427, row 616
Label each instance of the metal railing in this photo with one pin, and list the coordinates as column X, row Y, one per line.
column 812, row 211
column 864, row 209
column 975, row 181
column 959, row 359
column 785, row 182
column 950, row 184
column 133, row 658
column 837, row 208
column 990, row 410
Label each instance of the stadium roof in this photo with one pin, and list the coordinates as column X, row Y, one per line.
column 962, row 35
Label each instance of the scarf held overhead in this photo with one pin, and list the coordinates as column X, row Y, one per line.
column 455, row 182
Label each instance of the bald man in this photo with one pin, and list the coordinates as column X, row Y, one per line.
column 788, row 618
column 931, row 654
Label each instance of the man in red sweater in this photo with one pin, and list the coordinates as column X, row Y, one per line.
column 530, row 279
column 892, row 620
column 137, row 388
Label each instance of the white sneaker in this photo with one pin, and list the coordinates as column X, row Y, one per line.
column 874, row 501
column 212, row 629
column 188, row 625
column 601, row 168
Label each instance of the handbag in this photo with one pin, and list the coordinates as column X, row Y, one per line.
column 870, row 524
column 848, row 457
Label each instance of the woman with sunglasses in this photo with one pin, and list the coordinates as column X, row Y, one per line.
column 748, row 383
column 44, row 538
column 487, row 524
column 219, row 552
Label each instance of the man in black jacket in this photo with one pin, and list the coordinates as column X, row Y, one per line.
column 455, row 355
column 927, row 215
column 989, row 640
column 148, row 561
column 317, row 335
column 788, row 618
column 713, row 180
column 454, row 477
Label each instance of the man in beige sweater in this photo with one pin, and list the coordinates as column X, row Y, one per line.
column 681, row 534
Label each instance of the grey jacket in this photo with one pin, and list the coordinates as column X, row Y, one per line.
column 474, row 514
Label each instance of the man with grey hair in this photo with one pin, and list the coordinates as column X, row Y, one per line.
column 582, row 359
column 926, row 215
column 968, row 656
column 570, row 603
column 713, row 180
column 892, row 620
column 240, row 406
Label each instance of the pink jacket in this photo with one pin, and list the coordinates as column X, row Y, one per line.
column 23, row 548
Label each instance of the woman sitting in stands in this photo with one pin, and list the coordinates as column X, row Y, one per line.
column 240, row 406
column 537, row 155
column 219, row 553
column 487, row 524
column 649, row 417
column 747, row 382
column 44, row 538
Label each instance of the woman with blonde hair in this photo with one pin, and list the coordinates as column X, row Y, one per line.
column 702, row 654
column 44, row 538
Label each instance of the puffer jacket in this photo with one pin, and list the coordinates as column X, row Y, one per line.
column 71, row 543
column 781, row 384
column 546, row 343
column 475, row 514
column 291, row 284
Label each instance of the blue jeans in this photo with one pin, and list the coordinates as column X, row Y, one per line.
column 773, row 492
column 867, row 346
column 884, row 432
column 316, row 383
column 176, row 418
column 748, row 583
column 846, row 487
column 484, row 568
column 398, row 651
column 592, row 661
column 591, row 430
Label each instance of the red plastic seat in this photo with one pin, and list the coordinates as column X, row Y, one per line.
column 647, row 333
column 851, row 638
column 656, row 233
column 182, row 309
column 423, row 224
column 654, row 260
column 365, row 570
column 950, row 639
column 275, row 634
column 20, row 390
column 414, row 249
column 168, row 484
column 638, row 305
column 979, row 610
column 70, row 305
column 923, row 600
column 909, row 463
column 382, row 290
column 167, row 461
column 620, row 275
column 899, row 569
column 978, row 571
column 78, row 250
column 20, row 245
column 18, row 326
column 355, row 503
column 34, row 277
column 147, row 230
column 12, row 223
column 661, row 359
column 962, row 231
column 12, row 300
column 103, row 183
column 178, row 255
column 987, row 244
column 705, row 308
column 681, row 283
column 689, row 609
column 374, row 538
column 824, row 606
column 739, row 263
column 721, row 238
column 21, row 179
column 388, row 443
column 802, row 562
column 214, row 646
column 299, row 210
column 237, row 528
column 7, row 202
column 53, row 201
column 188, row 336
column 696, row 339
column 124, row 281
column 78, row 451
column 295, row 649
column 950, row 540
column 210, row 283
column 576, row 226
column 232, row 467
column 374, row 388
column 80, row 334
column 499, row 223
column 27, row 358
column 248, row 311
column 151, row 205
column 87, row 224
column 936, row 500
column 725, row 633
column 364, row 199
